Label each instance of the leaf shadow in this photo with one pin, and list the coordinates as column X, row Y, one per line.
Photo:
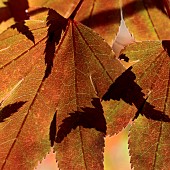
column 57, row 24
column 128, row 90
column 52, row 133
column 166, row 46
column 161, row 5
column 18, row 12
column 9, row 110
column 14, row 10
column 4, row 14
column 89, row 118
column 106, row 17
column 24, row 29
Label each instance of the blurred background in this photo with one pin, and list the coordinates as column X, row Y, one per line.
column 116, row 155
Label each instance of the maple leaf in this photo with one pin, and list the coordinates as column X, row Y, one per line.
column 121, row 102
column 125, row 95
column 12, row 12
column 101, row 16
column 149, row 137
column 145, row 20
column 60, row 75
column 164, row 6
column 148, row 143
column 137, row 87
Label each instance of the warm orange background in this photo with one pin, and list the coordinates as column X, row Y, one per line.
column 116, row 155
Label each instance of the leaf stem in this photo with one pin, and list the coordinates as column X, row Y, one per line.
column 76, row 10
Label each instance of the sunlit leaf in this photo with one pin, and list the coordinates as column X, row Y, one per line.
column 54, row 73
column 121, row 102
column 149, row 143
column 142, row 88
column 145, row 20
column 149, row 135
column 102, row 16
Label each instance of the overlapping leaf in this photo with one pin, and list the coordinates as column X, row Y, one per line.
column 11, row 12
column 58, row 70
column 118, row 114
column 149, row 136
column 51, row 85
column 145, row 87
column 121, row 102
column 145, row 20
column 102, row 16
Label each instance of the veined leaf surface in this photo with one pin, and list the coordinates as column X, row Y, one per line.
column 102, row 16
column 149, row 135
column 145, row 20
column 53, row 75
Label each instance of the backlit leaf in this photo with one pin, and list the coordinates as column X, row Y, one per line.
column 149, row 143
column 121, row 102
column 102, row 16
column 145, row 20
column 149, row 136
column 24, row 135
column 52, row 76
column 144, row 85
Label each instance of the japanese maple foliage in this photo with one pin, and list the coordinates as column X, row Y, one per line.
column 63, row 87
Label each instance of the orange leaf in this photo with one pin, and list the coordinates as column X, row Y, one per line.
column 56, row 69
column 140, row 89
column 149, row 143
column 102, row 16
column 145, row 20
column 149, row 135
